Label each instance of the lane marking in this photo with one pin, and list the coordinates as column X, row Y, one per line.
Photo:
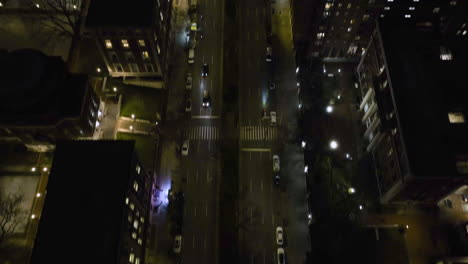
column 204, row 116
column 256, row 149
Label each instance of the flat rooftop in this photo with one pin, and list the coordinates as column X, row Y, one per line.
column 120, row 13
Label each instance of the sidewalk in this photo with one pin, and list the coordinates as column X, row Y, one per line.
column 295, row 202
column 159, row 248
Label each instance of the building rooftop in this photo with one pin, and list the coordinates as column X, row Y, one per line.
column 38, row 88
column 425, row 89
column 84, row 206
column 120, row 13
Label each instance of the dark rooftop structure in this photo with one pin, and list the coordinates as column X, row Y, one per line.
column 415, row 103
column 120, row 13
column 89, row 198
column 42, row 101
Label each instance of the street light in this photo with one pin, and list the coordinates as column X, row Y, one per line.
column 339, row 69
column 133, row 116
column 37, row 5
column 351, row 190
column 303, row 144
column 329, row 109
column 297, row 69
column 38, row 195
column 131, row 127
column 33, row 169
column 114, row 89
column 33, row 216
column 333, row 144
column 1, row 4
column 44, row 169
column 306, row 169
column 98, row 69
column 360, row 207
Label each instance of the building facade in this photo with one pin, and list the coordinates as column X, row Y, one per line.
column 96, row 207
column 340, row 30
column 414, row 105
column 43, row 102
column 133, row 39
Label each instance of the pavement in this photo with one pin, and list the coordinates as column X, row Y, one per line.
column 262, row 205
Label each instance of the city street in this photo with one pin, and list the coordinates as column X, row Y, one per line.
column 263, row 205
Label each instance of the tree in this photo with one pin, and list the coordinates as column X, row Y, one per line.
column 64, row 18
column 10, row 213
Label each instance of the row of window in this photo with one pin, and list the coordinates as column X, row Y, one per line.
column 133, row 259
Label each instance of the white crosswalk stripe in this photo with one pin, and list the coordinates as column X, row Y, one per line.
column 249, row 133
column 202, row 133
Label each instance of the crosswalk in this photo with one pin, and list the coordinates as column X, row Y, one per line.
column 258, row 133
column 202, row 133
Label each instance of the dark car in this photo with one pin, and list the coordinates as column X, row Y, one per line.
column 205, row 70
column 206, row 99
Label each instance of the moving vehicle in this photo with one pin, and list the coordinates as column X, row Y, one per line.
column 205, row 70
column 281, row 256
column 276, row 163
column 206, row 99
column 185, row 148
column 268, row 54
column 188, row 82
column 191, row 56
column 188, row 105
column 177, row 244
column 279, row 235
column 273, row 118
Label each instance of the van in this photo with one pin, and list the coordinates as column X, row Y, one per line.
column 191, row 56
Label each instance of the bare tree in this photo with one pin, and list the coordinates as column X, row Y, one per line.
column 63, row 18
column 11, row 213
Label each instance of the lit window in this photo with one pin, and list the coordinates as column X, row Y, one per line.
column 453, row 3
column 320, row 35
column 130, row 218
column 436, row 10
column 387, row 8
column 142, row 219
column 135, row 224
column 411, row 8
column 135, row 186
column 357, row 38
column 132, row 206
column 365, row 17
column 138, row 168
column 351, row 21
column 390, row 0
column 415, row 0
column 407, row 16
column 108, row 43
column 145, row 55
column 137, row 213
column 137, row 261
column 349, row 6
column 141, row 42
column 349, row 29
column 445, row 54
column 140, row 241
column 131, row 259
column 161, row 16
column 127, row 200
column 456, row 117
column 328, row 5
column 134, row 235
column 464, row 32
column 125, row 43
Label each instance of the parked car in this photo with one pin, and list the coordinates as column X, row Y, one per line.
column 177, row 244
column 188, row 82
column 188, row 105
column 185, row 148
column 276, row 163
column 281, row 256
column 268, row 54
column 273, row 118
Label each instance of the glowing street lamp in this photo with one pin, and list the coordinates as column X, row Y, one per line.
column 33, row 169
column 306, row 169
column 114, row 89
column 38, row 195
column 333, row 144
column 133, row 116
column 303, row 144
column 360, row 207
column 351, row 190
column 98, row 69
column 44, row 169
column 329, row 109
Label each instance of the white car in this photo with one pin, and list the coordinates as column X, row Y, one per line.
column 273, row 118
column 276, row 163
column 177, row 244
column 281, row 256
column 188, row 82
column 279, row 235
column 185, row 148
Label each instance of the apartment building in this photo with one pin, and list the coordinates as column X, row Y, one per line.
column 96, row 205
column 414, row 107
